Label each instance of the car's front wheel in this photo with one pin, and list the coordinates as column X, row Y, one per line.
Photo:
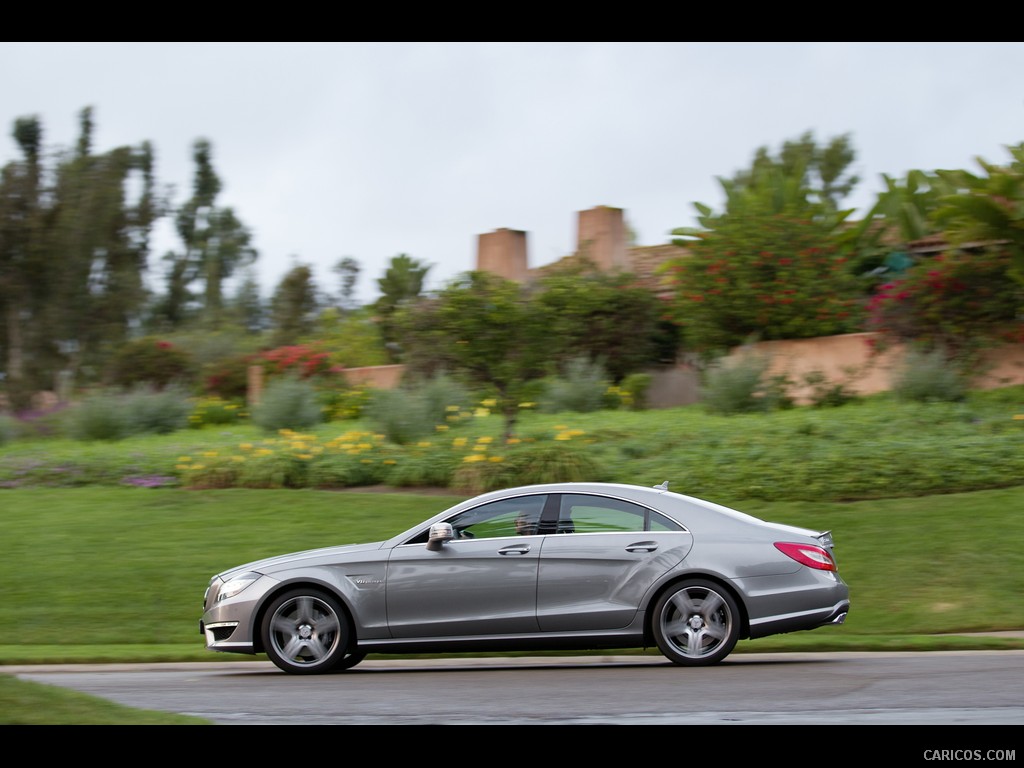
column 696, row 623
column 306, row 632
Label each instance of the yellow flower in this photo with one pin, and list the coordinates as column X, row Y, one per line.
column 484, row 439
column 441, row 427
column 246, row 446
column 481, row 413
column 496, row 459
column 238, row 459
column 489, row 402
column 209, row 454
column 458, row 442
column 474, row 457
column 512, row 441
column 184, row 459
column 423, row 444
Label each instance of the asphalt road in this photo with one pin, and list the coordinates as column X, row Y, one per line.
column 932, row 689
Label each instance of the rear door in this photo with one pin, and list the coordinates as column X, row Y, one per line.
column 608, row 552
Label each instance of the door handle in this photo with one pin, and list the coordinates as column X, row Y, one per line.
column 643, row 546
column 516, row 549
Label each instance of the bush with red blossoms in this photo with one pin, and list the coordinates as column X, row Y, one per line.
column 957, row 300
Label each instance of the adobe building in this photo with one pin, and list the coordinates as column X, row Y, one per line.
column 601, row 237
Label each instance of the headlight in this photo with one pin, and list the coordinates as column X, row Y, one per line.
column 236, row 584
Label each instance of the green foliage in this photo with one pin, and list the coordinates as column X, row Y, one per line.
column 958, row 300
column 528, row 464
column 415, row 410
column 293, row 306
column 770, row 263
column 582, row 388
column 115, row 415
column 7, row 428
column 484, row 330
column 400, row 287
column 151, row 362
column 605, row 316
column 228, row 378
column 929, row 376
column 157, row 412
column 742, row 386
column 352, row 339
column 825, row 393
column 213, row 410
column 287, row 402
column 882, row 448
column 634, row 389
column 989, row 208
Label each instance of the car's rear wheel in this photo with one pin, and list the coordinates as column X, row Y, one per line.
column 696, row 623
column 306, row 632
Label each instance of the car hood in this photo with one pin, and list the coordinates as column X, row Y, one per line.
column 270, row 564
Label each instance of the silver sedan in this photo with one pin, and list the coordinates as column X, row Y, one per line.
column 568, row 566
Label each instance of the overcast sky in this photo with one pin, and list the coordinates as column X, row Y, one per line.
column 369, row 150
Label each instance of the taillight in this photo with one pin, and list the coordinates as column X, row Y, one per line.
column 808, row 554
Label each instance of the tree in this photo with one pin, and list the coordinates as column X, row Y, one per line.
column 293, row 306
column 604, row 316
column 347, row 270
column 484, row 330
column 988, row 207
column 216, row 244
column 401, row 284
column 104, row 209
column 769, row 266
column 73, row 250
column 23, row 267
column 247, row 307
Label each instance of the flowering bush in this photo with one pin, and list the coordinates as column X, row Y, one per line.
column 952, row 301
column 152, row 362
column 296, row 360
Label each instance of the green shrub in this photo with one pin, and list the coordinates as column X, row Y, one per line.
column 152, row 362
column 7, row 430
column 527, row 464
column 636, row 387
column 741, row 385
column 207, row 411
column 414, row 411
column 929, row 376
column 825, row 393
column 112, row 415
column 101, row 416
column 582, row 388
column 156, row 411
column 287, row 403
column 346, row 403
column 228, row 378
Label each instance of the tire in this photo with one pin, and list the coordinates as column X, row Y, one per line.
column 306, row 632
column 349, row 660
column 696, row 623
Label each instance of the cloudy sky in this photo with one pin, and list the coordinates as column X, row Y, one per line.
column 369, row 150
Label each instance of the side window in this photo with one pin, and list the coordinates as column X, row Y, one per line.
column 509, row 517
column 596, row 514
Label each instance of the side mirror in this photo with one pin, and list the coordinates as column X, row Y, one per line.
column 439, row 534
